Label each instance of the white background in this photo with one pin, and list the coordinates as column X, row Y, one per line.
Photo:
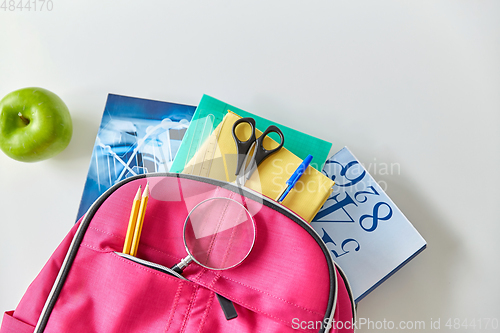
column 415, row 83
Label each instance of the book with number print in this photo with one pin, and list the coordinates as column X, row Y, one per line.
column 367, row 234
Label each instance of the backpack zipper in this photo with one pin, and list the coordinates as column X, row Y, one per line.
column 151, row 265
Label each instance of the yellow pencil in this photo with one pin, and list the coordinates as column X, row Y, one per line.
column 140, row 221
column 131, row 222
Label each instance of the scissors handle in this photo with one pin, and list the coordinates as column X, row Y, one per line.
column 243, row 147
column 262, row 153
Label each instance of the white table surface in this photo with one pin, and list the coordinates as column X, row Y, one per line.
column 415, row 83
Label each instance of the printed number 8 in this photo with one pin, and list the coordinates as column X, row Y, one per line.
column 375, row 217
column 12, row 5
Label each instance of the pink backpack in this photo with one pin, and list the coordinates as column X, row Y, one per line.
column 288, row 282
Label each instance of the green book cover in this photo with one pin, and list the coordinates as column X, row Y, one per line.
column 208, row 116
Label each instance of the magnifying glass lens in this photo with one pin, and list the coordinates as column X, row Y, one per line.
column 219, row 233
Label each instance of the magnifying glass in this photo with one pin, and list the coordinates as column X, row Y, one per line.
column 219, row 233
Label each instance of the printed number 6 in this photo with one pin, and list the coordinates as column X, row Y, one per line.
column 343, row 173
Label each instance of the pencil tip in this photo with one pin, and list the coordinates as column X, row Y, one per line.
column 138, row 194
column 146, row 190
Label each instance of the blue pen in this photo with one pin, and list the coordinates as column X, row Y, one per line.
column 295, row 177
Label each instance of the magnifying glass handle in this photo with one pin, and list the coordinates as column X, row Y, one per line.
column 179, row 268
column 226, row 305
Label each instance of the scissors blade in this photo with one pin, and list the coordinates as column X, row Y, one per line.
column 248, row 167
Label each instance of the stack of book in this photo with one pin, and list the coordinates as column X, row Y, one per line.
column 368, row 236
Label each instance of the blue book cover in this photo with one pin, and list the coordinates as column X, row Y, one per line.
column 367, row 234
column 136, row 136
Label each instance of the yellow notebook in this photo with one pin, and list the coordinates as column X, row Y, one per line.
column 217, row 158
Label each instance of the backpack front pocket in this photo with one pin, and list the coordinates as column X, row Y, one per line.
column 105, row 292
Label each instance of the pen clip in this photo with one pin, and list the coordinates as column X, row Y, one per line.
column 299, row 172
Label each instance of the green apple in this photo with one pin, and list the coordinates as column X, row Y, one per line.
column 35, row 125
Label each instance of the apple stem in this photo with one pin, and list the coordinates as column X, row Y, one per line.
column 25, row 120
